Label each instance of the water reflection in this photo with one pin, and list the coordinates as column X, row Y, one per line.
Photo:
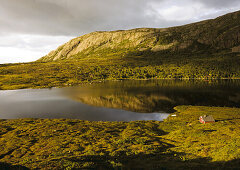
column 157, row 95
column 47, row 103
column 117, row 100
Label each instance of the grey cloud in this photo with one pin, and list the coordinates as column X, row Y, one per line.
column 76, row 17
column 33, row 16
column 31, row 28
column 70, row 16
column 218, row 4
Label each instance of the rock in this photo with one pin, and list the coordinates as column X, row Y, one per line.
column 220, row 33
column 236, row 49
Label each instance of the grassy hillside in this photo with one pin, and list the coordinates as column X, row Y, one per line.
column 206, row 50
column 68, row 73
column 206, row 36
column 178, row 142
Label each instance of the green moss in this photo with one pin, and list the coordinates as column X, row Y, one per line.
column 177, row 142
column 133, row 65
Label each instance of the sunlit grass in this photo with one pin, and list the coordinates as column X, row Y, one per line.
column 147, row 66
column 179, row 141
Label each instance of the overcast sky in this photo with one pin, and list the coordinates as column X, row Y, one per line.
column 29, row 29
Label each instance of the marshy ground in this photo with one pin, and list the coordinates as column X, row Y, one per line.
column 178, row 142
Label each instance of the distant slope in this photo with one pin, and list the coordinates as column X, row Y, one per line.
column 211, row 35
column 205, row 50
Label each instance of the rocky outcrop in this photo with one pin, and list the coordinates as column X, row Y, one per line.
column 236, row 49
column 220, row 33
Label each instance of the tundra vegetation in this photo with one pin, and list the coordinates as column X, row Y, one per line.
column 204, row 50
column 75, row 72
column 179, row 141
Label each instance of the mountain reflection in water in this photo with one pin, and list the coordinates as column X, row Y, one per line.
column 117, row 100
column 157, row 95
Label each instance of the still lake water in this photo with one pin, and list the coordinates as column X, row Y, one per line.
column 118, row 100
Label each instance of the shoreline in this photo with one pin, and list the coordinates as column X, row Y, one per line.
column 105, row 80
column 177, row 142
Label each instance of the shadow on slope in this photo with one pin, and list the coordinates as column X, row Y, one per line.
column 7, row 166
column 159, row 160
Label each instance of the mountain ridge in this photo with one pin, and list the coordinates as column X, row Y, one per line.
column 204, row 50
column 214, row 34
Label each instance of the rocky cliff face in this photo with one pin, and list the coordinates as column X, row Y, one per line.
column 216, row 34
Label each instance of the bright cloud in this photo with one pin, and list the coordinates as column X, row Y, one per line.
column 30, row 29
column 25, row 48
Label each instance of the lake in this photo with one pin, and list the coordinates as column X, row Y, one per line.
column 127, row 100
